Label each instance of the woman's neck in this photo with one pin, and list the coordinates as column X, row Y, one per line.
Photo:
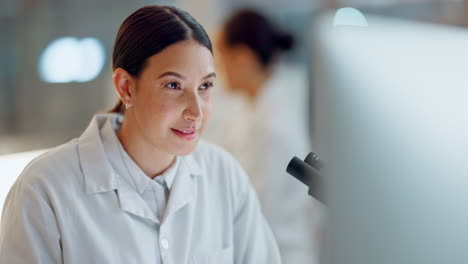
column 151, row 161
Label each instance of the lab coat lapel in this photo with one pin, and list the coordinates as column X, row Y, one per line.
column 97, row 172
column 184, row 186
column 99, row 175
column 132, row 202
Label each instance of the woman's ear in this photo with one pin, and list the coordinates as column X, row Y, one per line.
column 124, row 84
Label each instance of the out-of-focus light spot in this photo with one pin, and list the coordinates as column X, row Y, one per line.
column 68, row 59
column 349, row 17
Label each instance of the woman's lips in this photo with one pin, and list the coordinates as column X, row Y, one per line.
column 185, row 134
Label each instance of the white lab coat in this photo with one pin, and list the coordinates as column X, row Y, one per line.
column 264, row 137
column 69, row 206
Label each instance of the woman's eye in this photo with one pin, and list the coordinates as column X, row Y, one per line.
column 173, row 85
column 206, row 86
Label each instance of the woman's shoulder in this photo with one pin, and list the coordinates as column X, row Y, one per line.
column 215, row 155
column 52, row 166
column 218, row 165
column 207, row 149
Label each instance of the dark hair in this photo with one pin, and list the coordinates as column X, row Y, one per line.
column 148, row 31
column 251, row 28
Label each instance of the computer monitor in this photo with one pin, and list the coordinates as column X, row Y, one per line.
column 390, row 121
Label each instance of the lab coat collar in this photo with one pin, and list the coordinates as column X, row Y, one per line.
column 183, row 192
column 100, row 177
column 184, row 187
column 98, row 174
column 131, row 201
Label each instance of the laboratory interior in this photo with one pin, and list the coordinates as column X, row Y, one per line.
column 369, row 98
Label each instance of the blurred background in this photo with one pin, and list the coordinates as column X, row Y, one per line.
column 48, row 93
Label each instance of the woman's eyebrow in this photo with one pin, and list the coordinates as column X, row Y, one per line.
column 174, row 74
column 209, row 75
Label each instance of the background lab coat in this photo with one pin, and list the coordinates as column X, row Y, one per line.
column 68, row 206
column 264, row 137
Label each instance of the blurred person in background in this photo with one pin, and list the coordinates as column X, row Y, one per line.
column 137, row 186
column 260, row 122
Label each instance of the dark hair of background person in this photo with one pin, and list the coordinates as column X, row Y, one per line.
column 148, row 31
column 251, row 28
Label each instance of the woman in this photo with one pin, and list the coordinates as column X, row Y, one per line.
column 137, row 186
column 268, row 128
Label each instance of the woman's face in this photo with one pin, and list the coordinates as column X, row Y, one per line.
column 172, row 97
column 238, row 63
column 229, row 64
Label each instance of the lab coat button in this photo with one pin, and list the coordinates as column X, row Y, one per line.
column 164, row 243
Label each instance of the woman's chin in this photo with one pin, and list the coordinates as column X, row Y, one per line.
column 185, row 148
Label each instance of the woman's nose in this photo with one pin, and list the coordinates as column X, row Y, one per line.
column 193, row 112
